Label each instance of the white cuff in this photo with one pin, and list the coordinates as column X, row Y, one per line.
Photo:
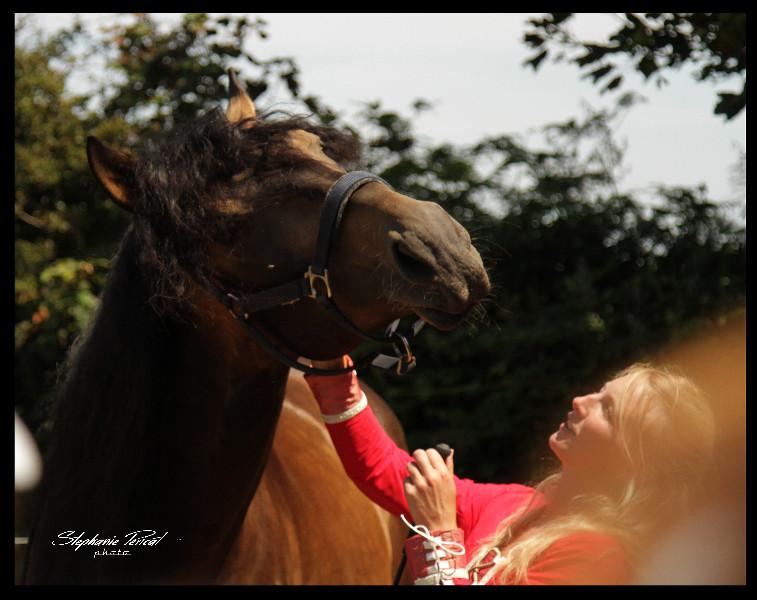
column 347, row 414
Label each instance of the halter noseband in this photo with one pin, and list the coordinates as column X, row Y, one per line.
column 315, row 285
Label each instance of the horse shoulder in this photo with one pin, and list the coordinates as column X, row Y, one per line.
column 308, row 523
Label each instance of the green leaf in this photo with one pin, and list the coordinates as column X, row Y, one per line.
column 730, row 105
column 647, row 65
column 615, row 82
column 535, row 61
column 600, row 72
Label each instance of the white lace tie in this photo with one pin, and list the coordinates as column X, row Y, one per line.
column 441, row 548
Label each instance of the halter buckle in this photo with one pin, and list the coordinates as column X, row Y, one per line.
column 311, row 277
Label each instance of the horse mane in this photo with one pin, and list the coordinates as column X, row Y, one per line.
column 182, row 179
column 113, row 384
column 108, row 399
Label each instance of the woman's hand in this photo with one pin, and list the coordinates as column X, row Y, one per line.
column 334, row 363
column 335, row 394
column 430, row 490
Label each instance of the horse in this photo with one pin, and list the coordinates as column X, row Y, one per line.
column 184, row 450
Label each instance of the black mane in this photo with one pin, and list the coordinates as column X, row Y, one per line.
column 106, row 416
column 181, row 178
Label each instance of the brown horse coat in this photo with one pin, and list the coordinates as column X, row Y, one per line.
column 308, row 523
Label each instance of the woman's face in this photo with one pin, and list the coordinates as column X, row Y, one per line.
column 586, row 442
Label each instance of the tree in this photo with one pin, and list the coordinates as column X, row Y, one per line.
column 585, row 278
column 653, row 43
column 66, row 229
column 59, row 272
column 586, row 281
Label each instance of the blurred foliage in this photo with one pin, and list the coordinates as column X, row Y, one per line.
column 585, row 279
column 654, row 43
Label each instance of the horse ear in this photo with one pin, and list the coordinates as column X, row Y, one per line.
column 240, row 104
column 114, row 169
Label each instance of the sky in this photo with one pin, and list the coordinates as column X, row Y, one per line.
column 470, row 67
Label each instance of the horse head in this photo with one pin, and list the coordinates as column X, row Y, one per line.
column 239, row 197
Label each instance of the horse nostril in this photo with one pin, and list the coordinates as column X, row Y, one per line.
column 412, row 264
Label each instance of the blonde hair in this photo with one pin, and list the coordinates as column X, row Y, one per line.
column 668, row 456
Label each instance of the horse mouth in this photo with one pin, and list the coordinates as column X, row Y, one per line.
column 442, row 320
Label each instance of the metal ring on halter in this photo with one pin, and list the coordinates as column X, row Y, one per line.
column 405, row 365
column 408, row 353
column 406, row 359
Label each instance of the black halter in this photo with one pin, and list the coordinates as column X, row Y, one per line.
column 243, row 305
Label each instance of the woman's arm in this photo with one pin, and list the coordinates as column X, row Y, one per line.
column 437, row 554
column 369, row 456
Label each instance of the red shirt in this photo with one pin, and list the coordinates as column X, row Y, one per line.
column 378, row 467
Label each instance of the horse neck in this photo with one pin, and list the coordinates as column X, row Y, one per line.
column 217, row 434
column 227, row 397
column 161, row 425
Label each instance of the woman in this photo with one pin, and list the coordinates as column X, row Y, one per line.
column 631, row 456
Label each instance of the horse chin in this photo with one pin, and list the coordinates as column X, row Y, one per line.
column 441, row 320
